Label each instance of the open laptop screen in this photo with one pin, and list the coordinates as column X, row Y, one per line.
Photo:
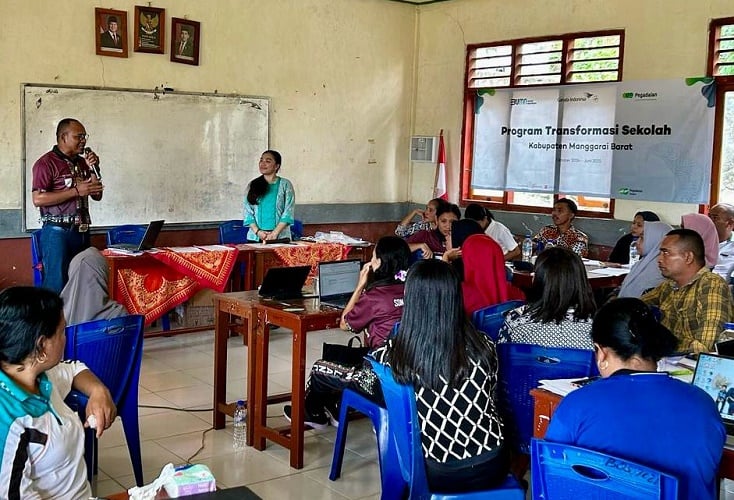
column 715, row 375
column 338, row 277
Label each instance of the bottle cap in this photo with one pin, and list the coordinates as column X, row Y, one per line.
column 240, row 402
column 728, row 326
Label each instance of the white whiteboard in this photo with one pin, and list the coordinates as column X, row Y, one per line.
column 182, row 157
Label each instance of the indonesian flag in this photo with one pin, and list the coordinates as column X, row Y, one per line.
column 440, row 190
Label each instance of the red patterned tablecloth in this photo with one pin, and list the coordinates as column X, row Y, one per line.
column 175, row 276
column 311, row 255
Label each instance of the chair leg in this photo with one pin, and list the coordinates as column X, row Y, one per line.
column 339, row 444
column 129, row 415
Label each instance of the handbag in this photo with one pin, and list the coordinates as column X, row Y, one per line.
column 346, row 355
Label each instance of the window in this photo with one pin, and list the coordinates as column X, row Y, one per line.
column 721, row 65
column 572, row 58
column 721, row 47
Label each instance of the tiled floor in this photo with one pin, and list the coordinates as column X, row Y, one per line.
column 178, row 372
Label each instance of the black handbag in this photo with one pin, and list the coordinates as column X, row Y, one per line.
column 346, row 355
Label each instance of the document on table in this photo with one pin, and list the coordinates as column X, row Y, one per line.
column 610, row 271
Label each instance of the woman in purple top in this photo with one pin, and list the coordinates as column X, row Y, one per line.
column 375, row 306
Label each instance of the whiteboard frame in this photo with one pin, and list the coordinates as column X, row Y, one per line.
column 156, row 90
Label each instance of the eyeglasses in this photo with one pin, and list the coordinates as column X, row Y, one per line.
column 82, row 137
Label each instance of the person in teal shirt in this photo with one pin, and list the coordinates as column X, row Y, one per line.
column 269, row 202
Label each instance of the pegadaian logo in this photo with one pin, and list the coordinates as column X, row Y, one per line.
column 624, row 191
column 640, row 96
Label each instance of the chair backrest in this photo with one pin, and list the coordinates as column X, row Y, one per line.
column 128, row 233
column 404, row 432
column 565, row 471
column 490, row 319
column 37, row 257
column 232, row 231
column 111, row 348
column 297, row 230
column 521, row 366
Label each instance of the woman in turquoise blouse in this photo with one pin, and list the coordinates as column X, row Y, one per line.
column 269, row 202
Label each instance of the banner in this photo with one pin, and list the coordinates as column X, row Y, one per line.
column 645, row 140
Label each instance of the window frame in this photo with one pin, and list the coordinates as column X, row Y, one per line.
column 470, row 94
column 724, row 84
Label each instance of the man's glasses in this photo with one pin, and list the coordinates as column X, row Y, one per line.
column 82, row 137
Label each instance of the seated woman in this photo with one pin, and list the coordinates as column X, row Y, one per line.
column 485, row 281
column 645, row 274
column 638, row 414
column 375, row 306
column 706, row 228
column 427, row 222
column 86, row 296
column 621, row 252
column 436, row 240
column 43, row 438
column 560, row 304
column 454, row 371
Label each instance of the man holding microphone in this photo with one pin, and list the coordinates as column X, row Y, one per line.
column 63, row 181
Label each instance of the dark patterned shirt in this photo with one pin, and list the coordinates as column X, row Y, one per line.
column 458, row 423
column 574, row 239
column 520, row 328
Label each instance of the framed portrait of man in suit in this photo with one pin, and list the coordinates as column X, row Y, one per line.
column 150, row 29
column 185, row 36
column 110, row 32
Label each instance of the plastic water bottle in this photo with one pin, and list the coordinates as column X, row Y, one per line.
column 527, row 248
column 239, row 438
column 634, row 254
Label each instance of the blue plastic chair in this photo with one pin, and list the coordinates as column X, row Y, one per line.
column 404, row 436
column 521, row 366
column 297, row 230
column 565, row 471
column 232, row 231
column 37, row 257
column 112, row 349
column 491, row 318
column 356, row 401
column 128, row 233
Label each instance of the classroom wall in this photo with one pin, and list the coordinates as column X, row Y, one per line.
column 339, row 74
column 663, row 39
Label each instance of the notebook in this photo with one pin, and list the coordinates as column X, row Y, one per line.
column 284, row 283
column 337, row 281
column 715, row 375
column 148, row 241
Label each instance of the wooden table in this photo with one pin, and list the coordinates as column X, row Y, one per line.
column 546, row 403
column 301, row 316
column 524, row 280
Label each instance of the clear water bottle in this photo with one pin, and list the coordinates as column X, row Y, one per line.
column 634, row 254
column 527, row 248
column 239, row 438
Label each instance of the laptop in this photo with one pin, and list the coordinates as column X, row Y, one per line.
column 148, row 241
column 715, row 375
column 284, row 283
column 337, row 281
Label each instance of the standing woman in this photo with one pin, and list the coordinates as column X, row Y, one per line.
column 269, row 202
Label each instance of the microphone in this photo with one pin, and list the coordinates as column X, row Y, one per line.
column 95, row 167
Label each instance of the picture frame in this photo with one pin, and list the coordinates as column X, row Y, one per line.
column 110, row 32
column 150, row 30
column 185, row 36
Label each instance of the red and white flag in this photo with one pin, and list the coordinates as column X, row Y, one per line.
column 440, row 190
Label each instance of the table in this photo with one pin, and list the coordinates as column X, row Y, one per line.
column 301, row 316
column 546, row 403
column 524, row 280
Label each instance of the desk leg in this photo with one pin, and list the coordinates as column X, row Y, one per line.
column 252, row 371
column 298, row 396
column 260, row 406
column 221, row 331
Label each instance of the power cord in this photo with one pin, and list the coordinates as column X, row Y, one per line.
column 176, row 409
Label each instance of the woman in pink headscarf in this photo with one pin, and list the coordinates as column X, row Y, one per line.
column 705, row 227
column 485, row 283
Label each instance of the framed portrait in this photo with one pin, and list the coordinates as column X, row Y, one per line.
column 185, row 35
column 110, row 32
column 150, row 29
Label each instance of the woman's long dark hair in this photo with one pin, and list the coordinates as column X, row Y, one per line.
column 560, row 283
column 394, row 255
column 258, row 185
column 436, row 343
